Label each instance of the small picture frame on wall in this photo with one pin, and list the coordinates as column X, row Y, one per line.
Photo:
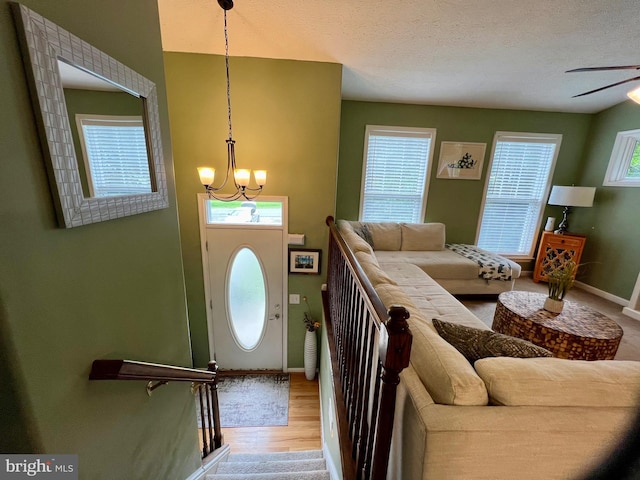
column 461, row 160
column 305, row 261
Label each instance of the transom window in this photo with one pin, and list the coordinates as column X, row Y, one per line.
column 624, row 164
column 395, row 173
column 260, row 212
column 515, row 191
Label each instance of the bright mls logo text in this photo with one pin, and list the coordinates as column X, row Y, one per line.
column 40, row 466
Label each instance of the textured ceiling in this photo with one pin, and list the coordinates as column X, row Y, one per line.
column 498, row 54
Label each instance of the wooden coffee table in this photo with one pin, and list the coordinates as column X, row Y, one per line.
column 578, row 333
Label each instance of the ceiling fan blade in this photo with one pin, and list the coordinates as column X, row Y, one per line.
column 608, row 86
column 599, row 69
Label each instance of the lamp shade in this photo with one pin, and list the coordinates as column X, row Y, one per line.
column 634, row 95
column 572, row 196
column 206, row 175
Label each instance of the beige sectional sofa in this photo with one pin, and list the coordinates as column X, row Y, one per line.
column 423, row 245
column 500, row 418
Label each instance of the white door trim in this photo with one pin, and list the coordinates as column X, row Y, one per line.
column 201, row 198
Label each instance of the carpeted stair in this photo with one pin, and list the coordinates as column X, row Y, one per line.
column 308, row 465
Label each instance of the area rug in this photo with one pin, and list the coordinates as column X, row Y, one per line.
column 253, row 400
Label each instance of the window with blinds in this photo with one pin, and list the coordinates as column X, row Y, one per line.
column 515, row 192
column 115, row 154
column 395, row 173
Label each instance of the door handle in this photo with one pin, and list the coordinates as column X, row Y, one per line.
column 276, row 315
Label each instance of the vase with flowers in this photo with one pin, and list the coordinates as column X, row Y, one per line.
column 310, row 343
column 560, row 282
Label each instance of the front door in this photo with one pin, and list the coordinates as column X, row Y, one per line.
column 245, row 264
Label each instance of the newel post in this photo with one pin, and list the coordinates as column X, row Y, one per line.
column 395, row 350
column 213, row 387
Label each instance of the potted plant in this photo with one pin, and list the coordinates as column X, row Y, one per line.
column 560, row 282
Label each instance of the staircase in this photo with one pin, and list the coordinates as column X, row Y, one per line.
column 309, row 465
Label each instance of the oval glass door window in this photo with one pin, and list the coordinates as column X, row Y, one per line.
column 246, row 299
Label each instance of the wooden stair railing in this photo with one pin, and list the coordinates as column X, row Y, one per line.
column 369, row 347
column 204, row 383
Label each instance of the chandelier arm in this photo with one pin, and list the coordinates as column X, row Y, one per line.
column 232, row 161
column 227, row 198
column 259, row 189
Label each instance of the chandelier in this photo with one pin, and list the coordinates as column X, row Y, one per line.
column 241, row 176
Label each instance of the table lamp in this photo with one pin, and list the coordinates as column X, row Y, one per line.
column 570, row 197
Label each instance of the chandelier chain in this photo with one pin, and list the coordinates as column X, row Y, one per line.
column 226, row 59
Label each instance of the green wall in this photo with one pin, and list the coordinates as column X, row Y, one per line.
column 108, row 290
column 612, row 253
column 327, row 404
column 453, row 202
column 286, row 117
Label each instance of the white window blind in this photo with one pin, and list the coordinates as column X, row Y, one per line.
column 395, row 173
column 517, row 186
column 115, row 152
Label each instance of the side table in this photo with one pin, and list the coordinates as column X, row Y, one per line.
column 578, row 333
column 555, row 251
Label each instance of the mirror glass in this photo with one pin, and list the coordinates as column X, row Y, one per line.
column 108, row 134
column 98, row 122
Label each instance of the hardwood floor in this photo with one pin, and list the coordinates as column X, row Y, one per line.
column 302, row 432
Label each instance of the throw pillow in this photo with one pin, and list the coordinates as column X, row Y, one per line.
column 475, row 344
column 423, row 236
column 363, row 231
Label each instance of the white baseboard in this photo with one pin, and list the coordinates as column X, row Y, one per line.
column 296, row 370
column 629, row 312
column 220, row 455
column 601, row 293
column 333, row 471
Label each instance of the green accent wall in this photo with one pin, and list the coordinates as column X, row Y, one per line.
column 455, row 203
column 108, row 290
column 286, row 117
column 327, row 404
column 611, row 256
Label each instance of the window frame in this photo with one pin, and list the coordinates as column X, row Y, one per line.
column 524, row 137
column 396, row 130
column 620, row 160
column 122, row 121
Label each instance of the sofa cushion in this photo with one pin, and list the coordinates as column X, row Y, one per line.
column 435, row 263
column 385, row 235
column 356, row 243
column 475, row 344
column 372, row 270
column 446, row 374
column 561, row 382
column 422, row 236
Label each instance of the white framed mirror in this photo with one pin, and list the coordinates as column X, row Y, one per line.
column 68, row 78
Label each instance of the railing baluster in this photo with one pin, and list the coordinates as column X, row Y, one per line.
column 213, row 387
column 203, row 421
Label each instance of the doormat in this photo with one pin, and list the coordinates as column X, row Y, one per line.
column 253, row 400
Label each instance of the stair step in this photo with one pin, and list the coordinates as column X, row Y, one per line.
column 275, row 456
column 312, row 475
column 284, row 466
